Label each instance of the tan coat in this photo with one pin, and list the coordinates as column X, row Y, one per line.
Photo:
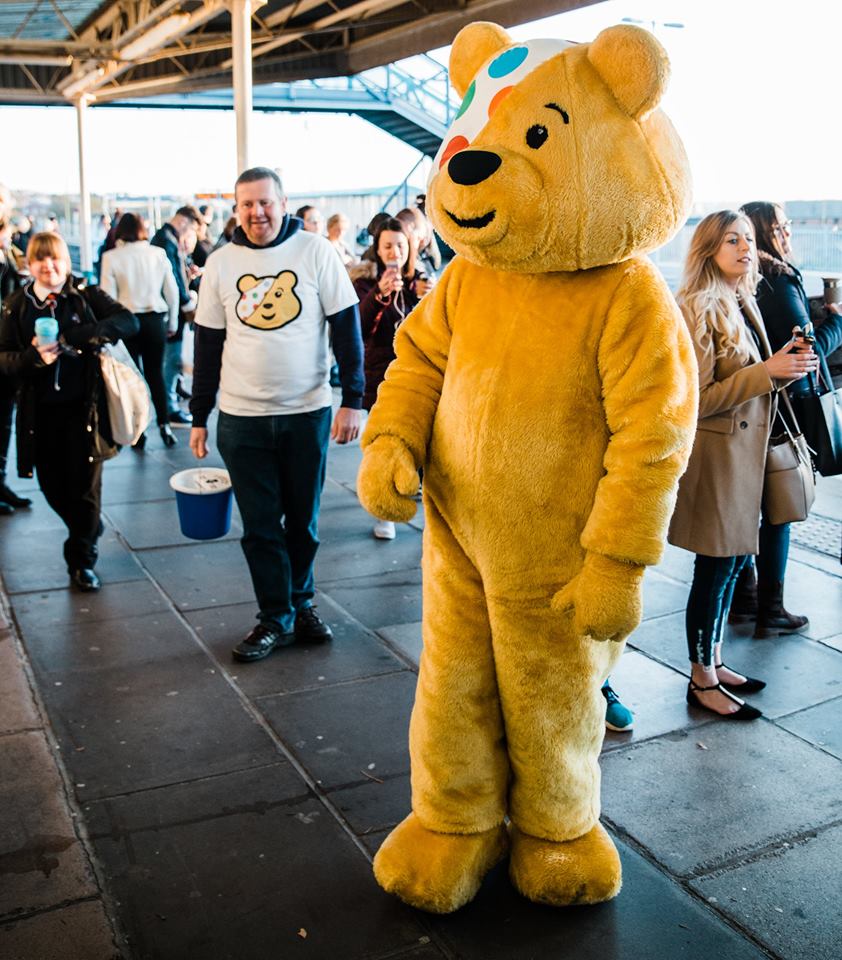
column 717, row 513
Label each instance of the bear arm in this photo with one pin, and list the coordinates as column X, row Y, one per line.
column 650, row 396
column 408, row 398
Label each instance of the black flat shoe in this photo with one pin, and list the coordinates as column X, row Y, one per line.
column 167, row 435
column 749, row 685
column 180, row 418
column 744, row 713
column 6, row 509
column 85, row 580
column 9, row 497
column 140, row 443
column 310, row 628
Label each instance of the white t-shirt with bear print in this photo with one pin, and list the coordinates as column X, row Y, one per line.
column 272, row 303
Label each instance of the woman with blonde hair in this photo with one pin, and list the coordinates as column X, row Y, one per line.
column 337, row 225
column 51, row 332
column 717, row 513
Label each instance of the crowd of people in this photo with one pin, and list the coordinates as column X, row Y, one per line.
column 741, row 296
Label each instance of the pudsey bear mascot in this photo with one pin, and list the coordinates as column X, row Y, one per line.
column 547, row 386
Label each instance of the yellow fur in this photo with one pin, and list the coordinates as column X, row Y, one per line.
column 552, row 408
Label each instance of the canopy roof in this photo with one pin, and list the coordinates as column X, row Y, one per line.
column 52, row 51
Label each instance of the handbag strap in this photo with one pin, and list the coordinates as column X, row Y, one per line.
column 796, row 429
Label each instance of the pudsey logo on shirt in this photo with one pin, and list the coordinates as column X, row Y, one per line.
column 267, row 303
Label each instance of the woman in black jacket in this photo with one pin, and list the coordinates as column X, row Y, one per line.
column 783, row 304
column 62, row 420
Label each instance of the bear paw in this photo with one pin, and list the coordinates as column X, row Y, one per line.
column 437, row 872
column 388, row 480
column 562, row 874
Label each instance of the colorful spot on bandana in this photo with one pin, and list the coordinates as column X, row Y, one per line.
column 507, row 62
column 498, row 98
column 469, row 96
column 455, row 145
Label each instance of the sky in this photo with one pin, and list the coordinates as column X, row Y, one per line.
column 754, row 95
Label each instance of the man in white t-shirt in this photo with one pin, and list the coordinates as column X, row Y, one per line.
column 268, row 302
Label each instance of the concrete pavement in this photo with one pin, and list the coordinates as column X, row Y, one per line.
column 158, row 800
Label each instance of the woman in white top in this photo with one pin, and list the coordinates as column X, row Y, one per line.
column 140, row 277
column 337, row 225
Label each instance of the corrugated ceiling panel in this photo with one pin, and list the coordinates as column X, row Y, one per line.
column 43, row 22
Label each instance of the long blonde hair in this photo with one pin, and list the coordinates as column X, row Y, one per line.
column 705, row 297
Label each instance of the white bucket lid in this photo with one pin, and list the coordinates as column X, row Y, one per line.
column 200, row 480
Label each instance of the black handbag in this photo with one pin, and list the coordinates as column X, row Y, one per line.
column 820, row 417
column 789, row 483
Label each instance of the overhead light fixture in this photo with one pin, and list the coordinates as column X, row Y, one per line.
column 82, row 83
column 155, row 37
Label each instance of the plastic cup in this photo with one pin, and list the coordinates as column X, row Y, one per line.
column 46, row 330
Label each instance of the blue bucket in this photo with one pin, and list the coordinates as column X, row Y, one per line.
column 204, row 500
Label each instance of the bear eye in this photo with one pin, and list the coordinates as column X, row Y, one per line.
column 277, row 293
column 537, row 136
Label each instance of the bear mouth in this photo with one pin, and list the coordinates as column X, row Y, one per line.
column 473, row 223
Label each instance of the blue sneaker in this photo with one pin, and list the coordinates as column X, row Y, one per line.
column 617, row 715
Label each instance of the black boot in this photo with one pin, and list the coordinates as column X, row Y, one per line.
column 744, row 602
column 9, row 496
column 773, row 620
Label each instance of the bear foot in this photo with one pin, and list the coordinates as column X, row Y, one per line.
column 580, row 871
column 437, row 872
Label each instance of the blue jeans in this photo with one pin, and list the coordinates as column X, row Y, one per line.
column 172, row 371
column 714, row 579
column 277, row 466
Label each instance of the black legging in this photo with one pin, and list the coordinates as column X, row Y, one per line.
column 7, row 406
column 708, row 604
column 147, row 350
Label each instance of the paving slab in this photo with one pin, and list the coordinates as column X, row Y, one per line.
column 42, row 862
column 350, row 732
column 406, row 637
column 834, row 641
column 354, row 651
column 381, row 600
column 371, row 806
column 695, row 799
column 33, row 560
column 662, row 595
column 207, row 574
column 17, row 708
column 132, row 707
column 155, row 524
column 651, row 919
column 77, row 932
column 677, row 564
column 350, row 549
column 818, row 725
column 148, row 480
column 788, row 899
column 343, row 464
column 48, row 612
column 817, row 595
column 243, row 867
column 656, row 696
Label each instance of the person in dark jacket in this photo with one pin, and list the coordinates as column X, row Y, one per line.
column 784, row 306
column 62, row 421
column 389, row 287
column 169, row 239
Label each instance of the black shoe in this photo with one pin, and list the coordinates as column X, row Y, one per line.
column 310, row 628
column 140, row 443
column 749, row 685
column 261, row 642
column 85, row 579
column 6, row 509
column 744, row 713
column 181, row 391
column 180, row 418
column 10, row 498
column 167, row 435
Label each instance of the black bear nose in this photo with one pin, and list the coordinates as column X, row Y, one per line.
column 470, row 167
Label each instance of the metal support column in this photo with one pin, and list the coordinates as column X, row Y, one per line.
column 85, row 257
column 242, row 76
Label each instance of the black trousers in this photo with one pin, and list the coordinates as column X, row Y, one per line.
column 7, row 406
column 71, row 483
column 147, row 350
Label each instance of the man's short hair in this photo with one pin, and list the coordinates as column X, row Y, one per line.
column 260, row 173
column 191, row 213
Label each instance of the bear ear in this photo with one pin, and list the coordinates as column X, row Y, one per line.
column 246, row 282
column 633, row 65
column 473, row 45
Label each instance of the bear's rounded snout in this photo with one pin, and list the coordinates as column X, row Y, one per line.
column 470, row 167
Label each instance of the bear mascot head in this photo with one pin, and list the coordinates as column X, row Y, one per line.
column 547, row 387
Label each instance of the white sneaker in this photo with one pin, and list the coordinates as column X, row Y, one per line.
column 384, row 530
